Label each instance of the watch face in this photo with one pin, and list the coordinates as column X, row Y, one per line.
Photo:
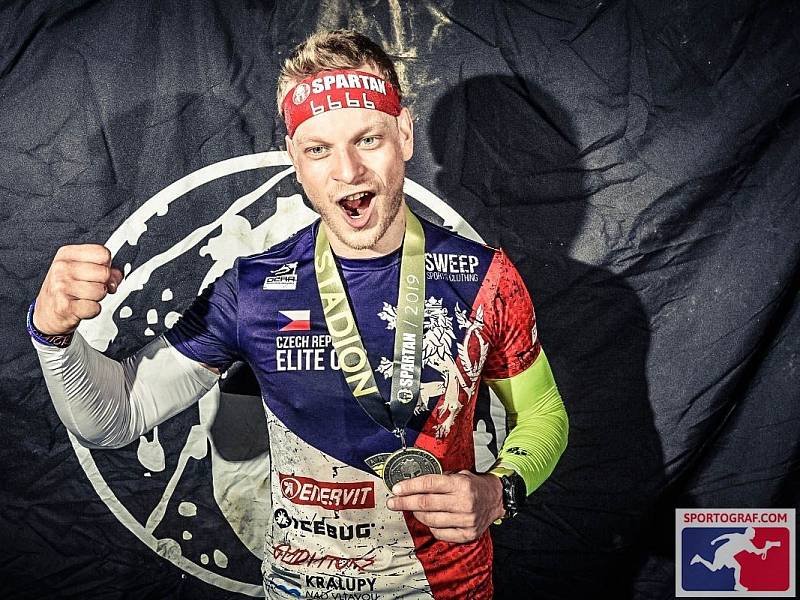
column 514, row 493
column 509, row 496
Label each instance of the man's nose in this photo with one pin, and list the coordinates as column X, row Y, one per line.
column 348, row 166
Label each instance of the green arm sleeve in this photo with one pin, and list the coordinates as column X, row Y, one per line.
column 537, row 422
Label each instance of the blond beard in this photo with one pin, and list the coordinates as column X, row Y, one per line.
column 360, row 240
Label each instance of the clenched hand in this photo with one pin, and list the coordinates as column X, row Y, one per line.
column 79, row 278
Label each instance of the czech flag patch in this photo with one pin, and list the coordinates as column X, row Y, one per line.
column 294, row 320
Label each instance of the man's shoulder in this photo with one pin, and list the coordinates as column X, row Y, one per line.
column 296, row 248
column 453, row 261
column 441, row 239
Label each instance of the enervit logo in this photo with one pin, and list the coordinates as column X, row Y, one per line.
column 328, row 495
column 739, row 552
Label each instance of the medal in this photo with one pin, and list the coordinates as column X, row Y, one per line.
column 408, row 463
column 395, row 414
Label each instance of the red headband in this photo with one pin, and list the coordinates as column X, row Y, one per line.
column 331, row 90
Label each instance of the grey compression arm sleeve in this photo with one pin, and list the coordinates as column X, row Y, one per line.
column 106, row 403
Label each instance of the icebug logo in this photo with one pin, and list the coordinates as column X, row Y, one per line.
column 162, row 513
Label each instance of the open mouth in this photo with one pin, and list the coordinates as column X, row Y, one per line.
column 356, row 207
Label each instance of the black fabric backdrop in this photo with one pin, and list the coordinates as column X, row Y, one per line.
column 638, row 161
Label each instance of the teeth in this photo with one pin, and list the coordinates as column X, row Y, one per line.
column 356, row 196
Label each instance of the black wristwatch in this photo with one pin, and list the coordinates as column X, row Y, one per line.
column 514, row 494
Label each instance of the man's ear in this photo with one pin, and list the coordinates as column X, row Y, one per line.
column 406, row 127
column 290, row 150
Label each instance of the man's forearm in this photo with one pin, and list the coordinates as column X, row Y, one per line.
column 538, row 422
column 106, row 403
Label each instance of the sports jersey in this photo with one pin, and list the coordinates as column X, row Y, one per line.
column 331, row 535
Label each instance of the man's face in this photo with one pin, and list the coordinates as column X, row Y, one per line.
column 351, row 164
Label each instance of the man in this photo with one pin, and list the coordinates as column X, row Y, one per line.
column 725, row 554
column 373, row 482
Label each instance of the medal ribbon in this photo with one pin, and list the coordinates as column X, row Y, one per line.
column 408, row 336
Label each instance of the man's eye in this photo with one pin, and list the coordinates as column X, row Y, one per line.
column 315, row 150
column 370, row 140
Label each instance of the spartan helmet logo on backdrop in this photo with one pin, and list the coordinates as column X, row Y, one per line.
column 187, row 492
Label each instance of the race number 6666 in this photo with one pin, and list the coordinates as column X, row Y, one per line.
column 349, row 102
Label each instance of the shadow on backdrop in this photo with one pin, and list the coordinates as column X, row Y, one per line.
column 508, row 159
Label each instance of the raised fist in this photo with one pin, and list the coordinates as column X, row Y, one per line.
column 79, row 278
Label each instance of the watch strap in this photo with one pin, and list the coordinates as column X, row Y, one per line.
column 513, row 491
column 61, row 340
